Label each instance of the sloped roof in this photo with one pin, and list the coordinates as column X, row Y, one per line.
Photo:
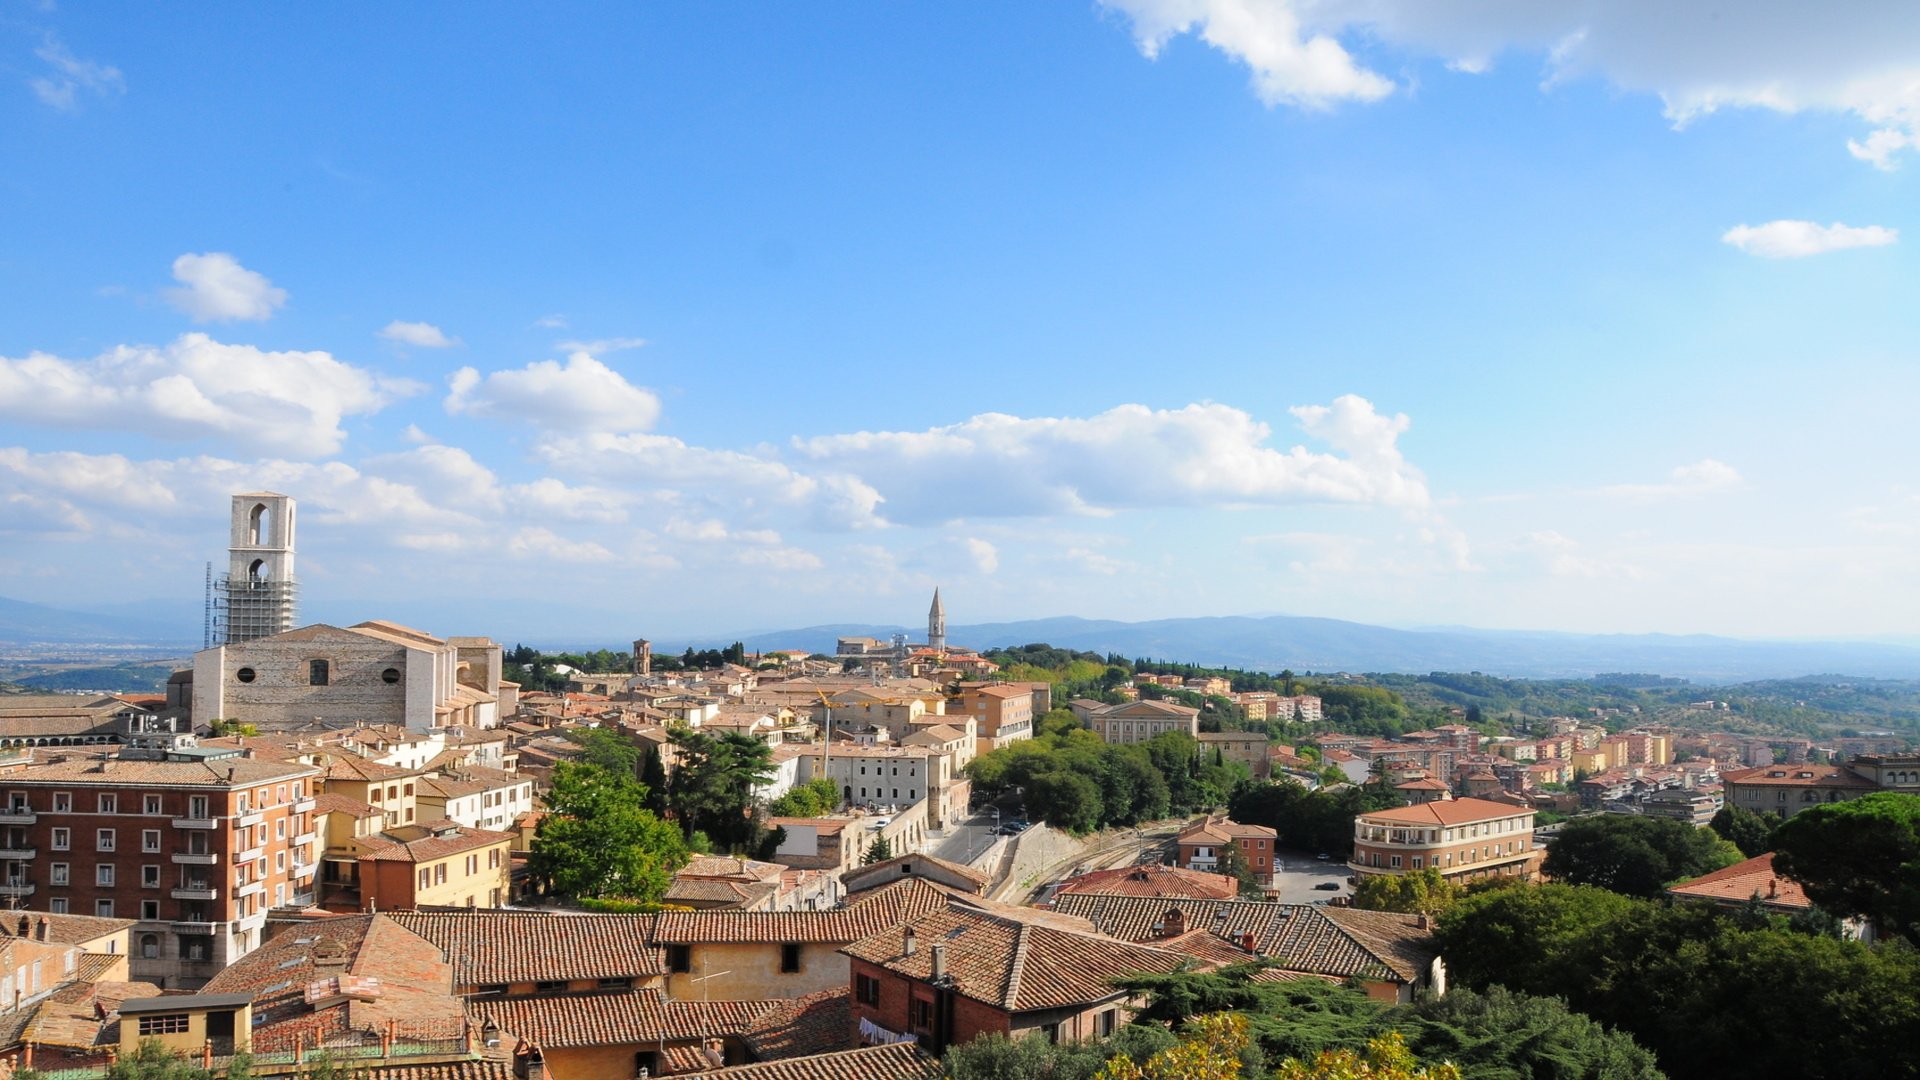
column 1012, row 958
column 1153, row 880
column 897, row 1061
column 1444, row 812
column 1753, row 879
column 489, row 947
column 618, row 1018
column 1309, row 938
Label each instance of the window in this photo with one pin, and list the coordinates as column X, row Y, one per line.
column 197, row 806
column 57, row 905
column 473, row 865
column 279, row 861
column 149, row 839
column 679, row 959
column 240, row 804
column 923, row 1014
column 245, row 674
column 493, row 859
column 164, row 1023
column 150, row 948
column 316, row 673
column 57, row 874
column 866, row 990
column 549, row 986
column 195, row 948
column 1106, row 1022
column 390, row 676
column 440, row 874
column 789, row 958
column 1051, row 1031
column 63, row 802
column 150, row 876
column 1417, row 862
column 426, row 879
column 103, row 908
column 613, row 984
column 150, row 804
column 150, row 911
column 1396, row 862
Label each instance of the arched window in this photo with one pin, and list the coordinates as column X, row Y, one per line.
column 150, row 946
column 258, row 571
column 259, row 527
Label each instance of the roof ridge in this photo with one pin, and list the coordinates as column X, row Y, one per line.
column 1017, row 969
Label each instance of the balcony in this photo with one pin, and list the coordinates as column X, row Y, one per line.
column 17, row 815
column 196, row 823
column 196, row 892
column 251, row 922
column 251, row 819
column 301, row 870
column 304, row 806
column 250, row 888
column 188, row 926
column 17, row 853
column 196, row 858
column 305, row 839
column 250, row 855
column 302, row 899
column 16, row 888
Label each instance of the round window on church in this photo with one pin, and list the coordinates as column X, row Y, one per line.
column 390, row 676
column 245, row 674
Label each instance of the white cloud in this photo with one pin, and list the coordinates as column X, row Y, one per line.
column 536, row 542
column 743, row 485
column 986, row 557
column 1788, row 56
column 551, row 322
column 282, row 402
column 601, row 346
column 995, row 465
column 1787, row 239
column 1561, row 556
column 418, row 334
column 71, row 76
column 581, row 395
column 1702, row 477
column 1291, row 66
column 214, row 287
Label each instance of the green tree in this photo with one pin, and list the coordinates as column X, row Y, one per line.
column 713, row 784
column 151, row 1060
column 815, row 797
column 608, row 749
column 653, row 779
column 1423, row 892
column 1233, row 864
column 1750, row 832
column 1065, row 799
column 1860, row 857
column 879, row 851
column 1638, row 856
column 596, row 840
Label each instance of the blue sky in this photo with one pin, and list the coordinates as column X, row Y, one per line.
column 677, row 320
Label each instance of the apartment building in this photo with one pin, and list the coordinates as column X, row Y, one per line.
column 1461, row 838
column 1201, row 846
column 194, row 846
column 1002, row 715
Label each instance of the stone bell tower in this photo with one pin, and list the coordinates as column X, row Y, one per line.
column 257, row 595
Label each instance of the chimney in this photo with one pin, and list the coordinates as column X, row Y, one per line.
column 1174, row 923
column 907, row 938
column 1773, row 888
column 1246, row 941
column 41, row 928
column 1426, row 921
column 939, row 961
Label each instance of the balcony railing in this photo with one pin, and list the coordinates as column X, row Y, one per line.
column 250, row 888
column 249, row 819
column 196, row 823
column 196, row 892
column 190, row 926
column 17, row 815
column 18, row 853
column 196, row 858
column 304, row 806
column 250, row 855
column 16, row 888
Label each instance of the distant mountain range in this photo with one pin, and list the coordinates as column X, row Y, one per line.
column 1308, row 644
column 1265, row 643
column 24, row 622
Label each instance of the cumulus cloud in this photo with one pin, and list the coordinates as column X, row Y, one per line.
column 1788, row 239
column 1291, row 66
column 418, row 334
column 995, row 465
column 1561, row 556
column 744, row 485
column 986, row 557
column 602, row 346
column 1787, row 56
column 214, row 287
column 581, row 395
column 280, row 402
column 70, row 77
column 535, row 542
column 1703, row 477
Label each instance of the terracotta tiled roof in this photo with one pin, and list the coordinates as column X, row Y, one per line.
column 1153, row 880
column 1219, row 829
column 618, row 1018
column 875, row 911
column 81, row 768
column 332, row 803
column 892, row 868
column 1309, row 938
column 1800, row 776
column 1444, row 812
column 1752, row 879
column 439, row 845
column 62, row 929
column 816, row 1023
column 482, row 1069
column 515, row 947
column 899, row 1061
column 1012, row 958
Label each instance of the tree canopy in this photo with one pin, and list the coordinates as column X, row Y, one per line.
column 1750, row 832
column 1638, row 856
column 1860, row 857
column 597, row 841
column 712, row 789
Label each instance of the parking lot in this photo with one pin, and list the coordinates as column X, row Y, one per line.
column 1295, row 876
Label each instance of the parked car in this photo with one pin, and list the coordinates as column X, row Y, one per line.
column 1324, row 857
column 1328, row 886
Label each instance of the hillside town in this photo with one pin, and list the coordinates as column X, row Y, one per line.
column 328, row 843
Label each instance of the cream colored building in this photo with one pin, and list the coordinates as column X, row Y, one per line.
column 1140, row 721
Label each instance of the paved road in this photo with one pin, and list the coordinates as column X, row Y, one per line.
column 965, row 842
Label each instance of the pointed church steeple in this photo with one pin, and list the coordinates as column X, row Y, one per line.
column 936, row 623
